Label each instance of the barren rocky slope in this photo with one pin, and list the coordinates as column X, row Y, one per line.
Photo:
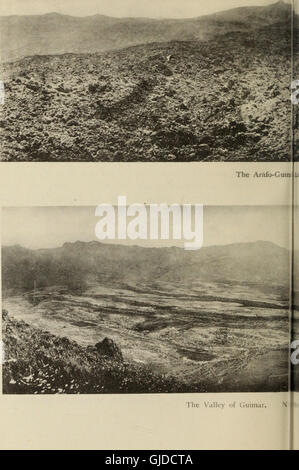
column 225, row 99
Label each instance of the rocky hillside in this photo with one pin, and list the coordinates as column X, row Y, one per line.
column 39, row 362
column 54, row 33
column 76, row 264
column 180, row 98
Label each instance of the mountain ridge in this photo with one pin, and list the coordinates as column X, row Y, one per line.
column 27, row 35
column 80, row 262
column 99, row 243
column 278, row 6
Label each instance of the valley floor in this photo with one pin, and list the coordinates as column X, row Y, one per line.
column 172, row 339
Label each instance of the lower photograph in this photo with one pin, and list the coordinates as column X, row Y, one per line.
column 145, row 298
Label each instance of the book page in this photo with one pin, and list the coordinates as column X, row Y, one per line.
column 148, row 225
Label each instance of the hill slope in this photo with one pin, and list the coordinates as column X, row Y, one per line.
column 58, row 34
column 227, row 99
column 75, row 264
column 39, row 362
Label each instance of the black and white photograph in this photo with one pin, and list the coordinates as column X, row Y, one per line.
column 140, row 81
column 84, row 316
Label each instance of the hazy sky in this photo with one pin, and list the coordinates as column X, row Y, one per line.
column 52, row 226
column 148, row 8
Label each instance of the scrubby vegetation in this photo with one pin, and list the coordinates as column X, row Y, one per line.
column 39, row 362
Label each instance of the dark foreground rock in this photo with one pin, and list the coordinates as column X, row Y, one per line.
column 108, row 348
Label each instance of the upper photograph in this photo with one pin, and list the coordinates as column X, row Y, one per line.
column 140, row 81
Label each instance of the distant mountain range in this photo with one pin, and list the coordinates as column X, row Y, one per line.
column 78, row 263
column 54, row 33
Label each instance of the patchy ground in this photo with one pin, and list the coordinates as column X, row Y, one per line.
column 171, row 339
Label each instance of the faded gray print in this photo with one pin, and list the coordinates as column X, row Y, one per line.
column 83, row 316
column 121, row 81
